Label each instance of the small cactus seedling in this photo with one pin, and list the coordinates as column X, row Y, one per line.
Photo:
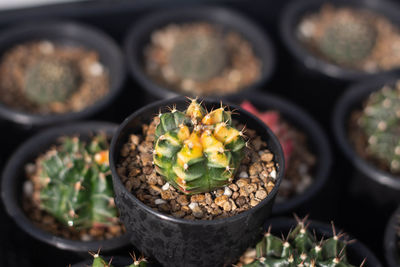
column 347, row 39
column 301, row 248
column 48, row 81
column 98, row 261
column 198, row 57
column 197, row 151
column 76, row 186
column 380, row 121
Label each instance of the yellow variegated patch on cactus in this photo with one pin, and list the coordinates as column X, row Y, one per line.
column 197, row 151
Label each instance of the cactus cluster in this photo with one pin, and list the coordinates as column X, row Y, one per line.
column 301, row 248
column 50, row 80
column 197, row 151
column 380, row 122
column 76, row 186
column 348, row 38
column 198, row 57
column 98, row 261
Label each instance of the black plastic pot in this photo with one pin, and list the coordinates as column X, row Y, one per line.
column 14, row 175
column 356, row 251
column 180, row 242
column 383, row 186
column 391, row 240
column 139, row 36
column 72, row 34
column 316, row 139
column 296, row 10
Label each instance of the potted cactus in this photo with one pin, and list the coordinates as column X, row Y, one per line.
column 306, row 243
column 196, row 188
column 366, row 125
column 344, row 40
column 56, row 72
column 60, row 190
column 392, row 240
column 305, row 147
column 198, row 51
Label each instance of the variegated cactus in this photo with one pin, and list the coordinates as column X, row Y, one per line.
column 380, row 121
column 196, row 151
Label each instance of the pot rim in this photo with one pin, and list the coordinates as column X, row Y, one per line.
column 248, row 29
column 165, row 217
column 295, row 10
column 70, row 30
column 13, row 207
column 390, row 246
column 316, row 139
column 354, row 96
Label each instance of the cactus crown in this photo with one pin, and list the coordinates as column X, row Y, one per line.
column 76, row 186
column 98, row 261
column 348, row 38
column 301, row 248
column 380, row 121
column 50, row 80
column 197, row 151
column 198, row 57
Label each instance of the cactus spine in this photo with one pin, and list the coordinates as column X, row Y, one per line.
column 380, row 121
column 300, row 248
column 50, row 81
column 347, row 39
column 76, row 186
column 196, row 151
column 198, row 57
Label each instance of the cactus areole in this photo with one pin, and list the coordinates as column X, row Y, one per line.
column 197, row 151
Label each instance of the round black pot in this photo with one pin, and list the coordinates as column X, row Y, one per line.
column 296, row 10
column 139, row 36
column 14, row 175
column 356, row 251
column 180, row 242
column 391, row 240
column 71, row 34
column 116, row 262
column 382, row 186
column 316, row 139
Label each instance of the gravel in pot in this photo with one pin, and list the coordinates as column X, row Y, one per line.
column 57, row 71
column 60, row 191
column 305, row 146
column 198, row 51
column 345, row 40
column 196, row 188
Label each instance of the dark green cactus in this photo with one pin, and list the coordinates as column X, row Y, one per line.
column 196, row 151
column 98, row 261
column 348, row 39
column 198, row 57
column 48, row 81
column 380, row 121
column 76, row 185
column 300, row 248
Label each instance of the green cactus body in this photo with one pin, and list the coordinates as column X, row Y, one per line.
column 198, row 57
column 196, row 151
column 380, row 121
column 300, row 249
column 347, row 39
column 76, row 185
column 50, row 81
column 98, row 261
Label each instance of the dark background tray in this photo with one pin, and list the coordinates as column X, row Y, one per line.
column 357, row 214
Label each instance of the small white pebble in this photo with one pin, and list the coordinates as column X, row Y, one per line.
column 86, row 237
column 273, row 174
column 159, row 201
column 96, row 69
column 193, row 205
column 260, row 153
column 227, row 191
column 243, row 175
column 46, row 47
column 28, row 188
column 165, row 187
column 30, row 168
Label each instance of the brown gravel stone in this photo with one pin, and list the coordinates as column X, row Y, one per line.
column 221, row 200
column 182, row 199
